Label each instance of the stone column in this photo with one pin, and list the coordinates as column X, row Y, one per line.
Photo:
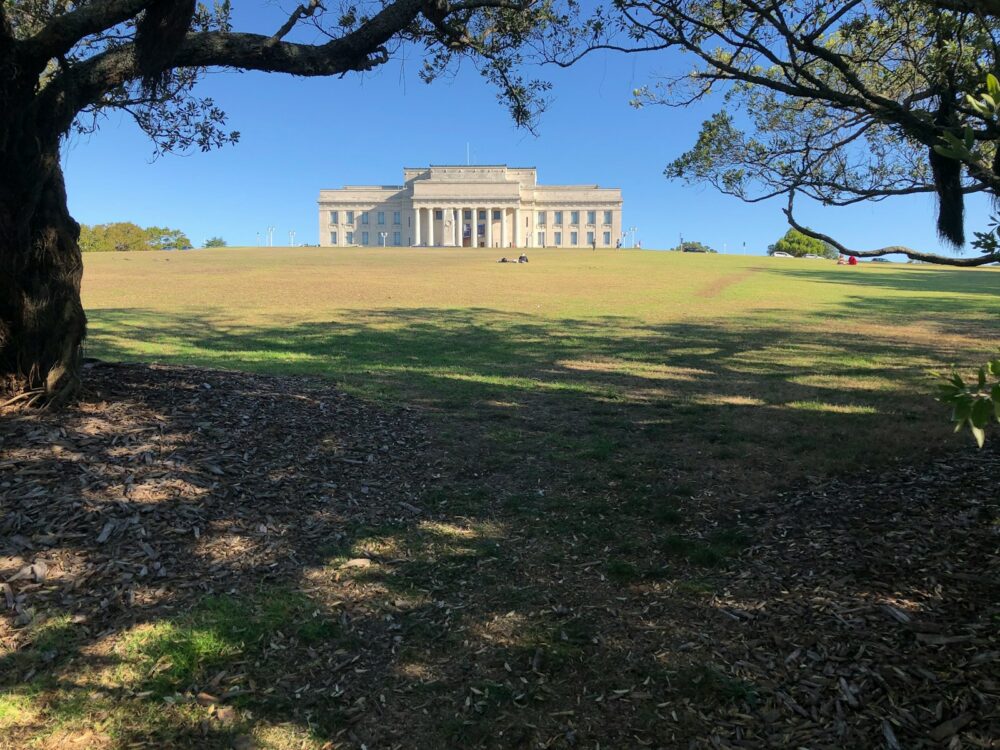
column 489, row 226
column 503, row 227
column 472, row 227
column 456, row 223
column 416, row 227
column 517, row 227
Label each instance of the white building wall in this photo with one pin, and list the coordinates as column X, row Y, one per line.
column 445, row 206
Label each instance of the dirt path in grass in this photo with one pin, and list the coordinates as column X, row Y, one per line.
column 192, row 558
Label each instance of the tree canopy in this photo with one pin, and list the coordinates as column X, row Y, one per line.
column 124, row 235
column 842, row 102
column 795, row 243
column 215, row 242
column 690, row 246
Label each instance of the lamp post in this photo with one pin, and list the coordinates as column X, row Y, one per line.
column 291, row 237
column 633, row 231
column 258, row 239
column 383, row 235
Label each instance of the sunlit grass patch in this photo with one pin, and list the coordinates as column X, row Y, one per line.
column 833, row 408
column 177, row 655
column 17, row 709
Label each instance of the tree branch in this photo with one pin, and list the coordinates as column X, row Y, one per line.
column 303, row 11
column 941, row 260
column 363, row 49
column 63, row 31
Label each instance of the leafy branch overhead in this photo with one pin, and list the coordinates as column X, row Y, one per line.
column 144, row 57
column 842, row 102
column 974, row 405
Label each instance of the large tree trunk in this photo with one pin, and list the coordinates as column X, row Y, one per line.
column 42, row 323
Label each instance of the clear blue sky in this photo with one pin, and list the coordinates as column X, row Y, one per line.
column 301, row 135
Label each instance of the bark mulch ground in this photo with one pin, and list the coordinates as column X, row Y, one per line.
column 862, row 611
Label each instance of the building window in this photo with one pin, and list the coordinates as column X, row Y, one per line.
column 395, row 239
column 350, row 238
column 573, row 237
column 364, row 217
column 333, row 238
column 574, row 218
column 607, row 217
column 395, row 217
column 590, row 238
column 333, row 217
column 350, row 217
column 381, row 217
column 541, row 218
column 497, row 216
column 467, row 214
column 439, row 214
column 607, row 239
column 541, row 239
column 482, row 215
column 364, row 237
column 591, row 217
column 558, row 239
column 558, row 218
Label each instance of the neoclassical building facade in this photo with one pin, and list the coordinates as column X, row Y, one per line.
column 470, row 206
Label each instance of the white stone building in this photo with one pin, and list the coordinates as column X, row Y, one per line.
column 470, row 206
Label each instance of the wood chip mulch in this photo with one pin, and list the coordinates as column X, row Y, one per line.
column 865, row 613
column 868, row 613
column 170, row 483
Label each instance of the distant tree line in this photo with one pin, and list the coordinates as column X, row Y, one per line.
column 122, row 236
column 690, row 246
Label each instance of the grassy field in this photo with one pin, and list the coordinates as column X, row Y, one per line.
column 617, row 432
column 752, row 362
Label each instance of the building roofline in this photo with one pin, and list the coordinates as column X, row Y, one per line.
column 471, row 166
column 365, row 187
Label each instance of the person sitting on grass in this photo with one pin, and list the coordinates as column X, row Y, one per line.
column 504, row 260
column 852, row 261
column 523, row 258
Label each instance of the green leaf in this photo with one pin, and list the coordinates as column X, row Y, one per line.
column 993, row 366
column 982, row 377
column 975, row 105
column 947, row 391
column 992, row 85
column 969, row 139
column 982, row 412
column 979, row 434
column 963, row 409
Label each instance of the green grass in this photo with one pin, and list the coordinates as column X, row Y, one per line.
column 598, row 355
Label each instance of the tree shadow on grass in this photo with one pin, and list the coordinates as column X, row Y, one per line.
column 580, row 388
column 960, row 303
column 546, row 556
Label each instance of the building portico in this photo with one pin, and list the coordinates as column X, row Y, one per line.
column 471, row 206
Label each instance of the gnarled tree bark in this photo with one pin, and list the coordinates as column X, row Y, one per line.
column 42, row 323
